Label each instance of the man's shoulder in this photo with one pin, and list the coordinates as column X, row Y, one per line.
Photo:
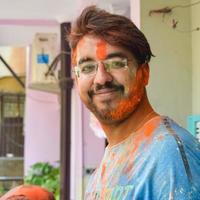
column 172, row 141
column 173, row 134
column 178, row 149
column 177, row 159
column 174, row 149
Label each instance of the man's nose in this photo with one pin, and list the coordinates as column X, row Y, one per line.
column 102, row 76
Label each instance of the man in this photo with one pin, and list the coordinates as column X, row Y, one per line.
column 28, row 192
column 149, row 157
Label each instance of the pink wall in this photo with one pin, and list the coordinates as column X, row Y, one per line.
column 42, row 127
column 93, row 147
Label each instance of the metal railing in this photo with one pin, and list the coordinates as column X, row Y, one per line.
column 11, row 124
column 11, row 178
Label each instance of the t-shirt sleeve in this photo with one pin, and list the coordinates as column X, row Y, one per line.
column 177, row 175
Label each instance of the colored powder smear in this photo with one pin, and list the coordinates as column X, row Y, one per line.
column 74, row 56
column 101, row 50
column 146, row 135
column 129, row 104
column 121, row 164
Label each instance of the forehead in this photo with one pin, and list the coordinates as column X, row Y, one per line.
column 97, row 49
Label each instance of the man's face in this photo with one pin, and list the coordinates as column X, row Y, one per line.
column 111, row 95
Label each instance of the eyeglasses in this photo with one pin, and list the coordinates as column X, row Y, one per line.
column 89, row 68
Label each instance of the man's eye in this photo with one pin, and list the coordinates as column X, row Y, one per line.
column 86, row 69
column 118, row 64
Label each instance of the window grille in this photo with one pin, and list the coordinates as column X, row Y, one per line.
column 11, row 124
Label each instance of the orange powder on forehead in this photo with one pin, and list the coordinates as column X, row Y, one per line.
column 101, row 50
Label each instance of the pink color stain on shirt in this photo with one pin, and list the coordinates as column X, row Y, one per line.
column 103, row 175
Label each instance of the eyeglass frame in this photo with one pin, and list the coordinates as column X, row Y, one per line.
column 77, row 68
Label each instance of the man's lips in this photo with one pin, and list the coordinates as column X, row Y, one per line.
column 105, row 91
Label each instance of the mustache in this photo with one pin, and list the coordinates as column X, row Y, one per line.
column 107, row 85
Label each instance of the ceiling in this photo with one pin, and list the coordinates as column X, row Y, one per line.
column 52, row 9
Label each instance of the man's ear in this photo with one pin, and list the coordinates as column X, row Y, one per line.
column 73, row 75
column 75, row 81
column 145, row 73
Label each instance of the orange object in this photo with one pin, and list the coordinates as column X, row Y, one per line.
column 28, row 192
column 101, row 50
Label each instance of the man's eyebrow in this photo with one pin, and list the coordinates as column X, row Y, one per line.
column 111, row 55
column 116, row 54
column 85, row 59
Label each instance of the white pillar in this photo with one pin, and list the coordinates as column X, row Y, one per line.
column 135, row 12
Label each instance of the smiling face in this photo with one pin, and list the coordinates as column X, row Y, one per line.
column 111, row 95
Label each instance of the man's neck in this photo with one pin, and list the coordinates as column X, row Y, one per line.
column 118, row 132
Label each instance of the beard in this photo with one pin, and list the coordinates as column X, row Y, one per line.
column 116, row 112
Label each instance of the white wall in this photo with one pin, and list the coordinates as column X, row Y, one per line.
column 195, row 15
column 170, row 88
column 19, row 19
column 37, row 9
column 17, row 34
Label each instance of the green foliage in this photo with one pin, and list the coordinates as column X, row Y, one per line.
column 2, row 190
column 45, row 175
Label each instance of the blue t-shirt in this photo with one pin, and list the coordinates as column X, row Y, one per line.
column 160, row 161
